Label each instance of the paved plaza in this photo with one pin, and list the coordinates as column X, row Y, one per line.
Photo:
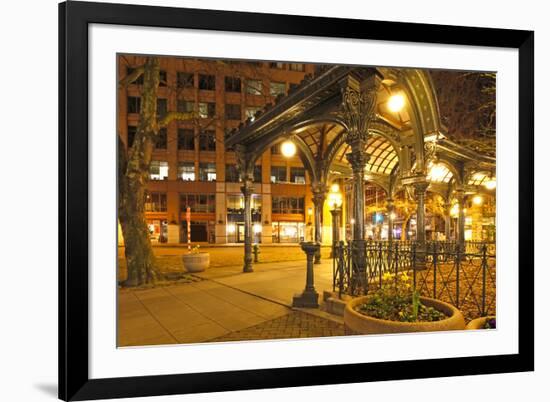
column 223, row 304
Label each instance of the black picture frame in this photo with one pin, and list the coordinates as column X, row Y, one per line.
column 74, row 18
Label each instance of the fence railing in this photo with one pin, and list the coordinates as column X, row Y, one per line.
column 464, row 276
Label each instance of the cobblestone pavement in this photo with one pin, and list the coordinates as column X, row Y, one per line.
column 296, row 324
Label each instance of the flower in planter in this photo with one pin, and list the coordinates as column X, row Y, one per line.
column 196, row 249
column 396, row 301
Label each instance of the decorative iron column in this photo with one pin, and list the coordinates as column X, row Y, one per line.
column 319, row 194
column 336, row 214
column 390, row 208
column 447, row 208
column 420, row 193
column 460, row 197
column 247, row 188
column 358, row 102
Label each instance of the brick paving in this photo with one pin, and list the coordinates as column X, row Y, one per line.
column 296, row 324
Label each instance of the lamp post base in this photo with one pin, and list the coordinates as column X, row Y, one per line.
column 307, row 299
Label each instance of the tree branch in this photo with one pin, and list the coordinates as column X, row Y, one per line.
column 181, row 116
column 132, row 77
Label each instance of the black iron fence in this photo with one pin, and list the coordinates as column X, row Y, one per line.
column 464, row 276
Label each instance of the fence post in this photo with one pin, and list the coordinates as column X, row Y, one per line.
column 458, row 267
column 484, row 280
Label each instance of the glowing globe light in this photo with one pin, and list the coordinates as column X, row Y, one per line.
column 288, row 149
column 437, row 172
column 477, row 200
column 490, row 184
column 257, row 228
column 396, row 103
column 335, row 188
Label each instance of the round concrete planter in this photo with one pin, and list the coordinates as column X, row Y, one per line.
column 357, row 323
column 196, row 262
column 479, row 323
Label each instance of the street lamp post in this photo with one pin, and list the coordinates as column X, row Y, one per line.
column 335, row 203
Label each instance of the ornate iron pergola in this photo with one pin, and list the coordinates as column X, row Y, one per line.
column 341, row 124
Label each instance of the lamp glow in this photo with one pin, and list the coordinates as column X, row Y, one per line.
column 257, row 228
column 437, row 172
column 396, row 103
column 288, row 149
column 231, row 229
column 490, row 184
column 477, row 200
column 335, row 188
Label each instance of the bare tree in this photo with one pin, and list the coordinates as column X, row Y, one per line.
column 467, row 102
column 133, row 175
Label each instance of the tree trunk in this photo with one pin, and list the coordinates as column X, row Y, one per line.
column 133, row 177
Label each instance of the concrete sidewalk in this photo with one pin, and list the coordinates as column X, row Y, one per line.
column 224, row 302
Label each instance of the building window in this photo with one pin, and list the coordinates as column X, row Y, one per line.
column 254, row 87
column 251, row 112
column 287, row 205
column 162, row 107
column 277, row 88
column 297, row 175
column 207, row 171
column 278, row 65
column 296, row 67
column 185, row 80
column 139, row 80
column 278, row 174
column 232, row 84
column 292, row 87
column 134, row 104
column 207, row 82
column 155, row 202
column 276, row 149
column 231, row 174
column 235, row 203
column 207, row 109
column 186, row 171
column 205, row 203
column 232, row 112
column 186, row 139
column 132, row 130
column 158, row 170
column 162, row 139
column 163, row 78
column 185, row 106
column 207, row 140
column 257, row 173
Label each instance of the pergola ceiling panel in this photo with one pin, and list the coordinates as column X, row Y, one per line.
column 439, row 173
column 479, row 178
column 382, row 155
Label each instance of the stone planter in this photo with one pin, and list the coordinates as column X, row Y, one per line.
column 479, row 323
column 196, row 262
column 357, row 323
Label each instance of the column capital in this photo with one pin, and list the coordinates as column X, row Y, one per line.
column 358, row 160
column 420, row 187
column 460, row 195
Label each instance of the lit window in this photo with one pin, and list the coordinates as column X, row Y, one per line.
column 207, row 171
column 297, row 175
column 277, row 88
column 278, row 174
column 186, row 171
column 158, row 170
column 155, row 202
column 254, row 87
column 207, row 109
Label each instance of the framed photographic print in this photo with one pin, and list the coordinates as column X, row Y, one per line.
column 257, row 201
